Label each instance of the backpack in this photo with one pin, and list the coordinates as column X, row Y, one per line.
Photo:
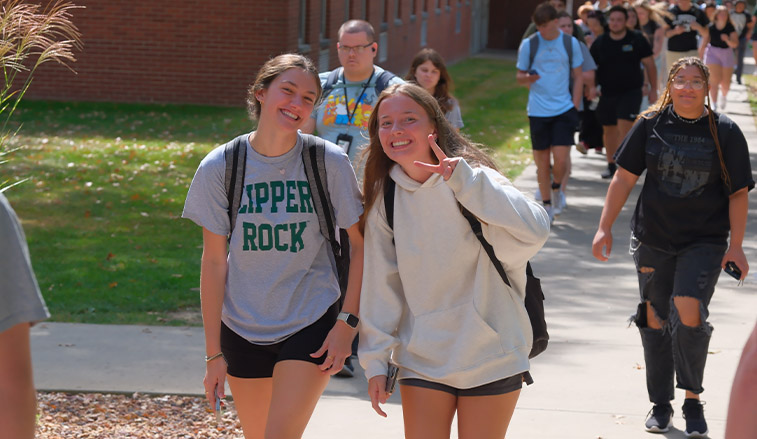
column 382, row 81
column 313, row 157
column 534, row 300
column 533, row 45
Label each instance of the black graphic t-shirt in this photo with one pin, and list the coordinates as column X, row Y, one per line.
column 619, row 62
column 684, row 199
column 687, row 40
column 715, row 33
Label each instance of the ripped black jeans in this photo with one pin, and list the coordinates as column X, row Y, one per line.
column 676, row 349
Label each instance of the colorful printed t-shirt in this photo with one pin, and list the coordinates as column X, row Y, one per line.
column 346, row 109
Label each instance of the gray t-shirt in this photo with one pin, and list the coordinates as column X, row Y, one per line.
column 337, row 115
column 280, row 277
column 454, row 117
column 20, row 299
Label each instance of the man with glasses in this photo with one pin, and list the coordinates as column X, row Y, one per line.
column 350, row 91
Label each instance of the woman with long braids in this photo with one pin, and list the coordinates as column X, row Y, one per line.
column 695, row 193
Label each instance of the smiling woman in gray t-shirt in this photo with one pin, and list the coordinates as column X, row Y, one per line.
column 270, row 297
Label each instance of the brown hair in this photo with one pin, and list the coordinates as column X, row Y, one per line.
column 271, row 70
column 357, row 26
column 665, row 100
column 543, row 14
column 444, row 86
column 378, row 164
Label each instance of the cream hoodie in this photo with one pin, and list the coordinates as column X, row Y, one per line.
column 434, row 303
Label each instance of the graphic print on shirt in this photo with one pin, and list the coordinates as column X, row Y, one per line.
column 337, row 111
column 272, row 197
column 684, row 19
column 685, row 168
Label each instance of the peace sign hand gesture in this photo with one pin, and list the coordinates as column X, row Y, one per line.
column 446, row 165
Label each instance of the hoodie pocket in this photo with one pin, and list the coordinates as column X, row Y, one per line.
column 453, row 339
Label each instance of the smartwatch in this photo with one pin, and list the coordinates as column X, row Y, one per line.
column 350, row 319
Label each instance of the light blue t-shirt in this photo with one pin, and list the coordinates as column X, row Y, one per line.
column 550, row 95
column 339, row 115
column 280, row 278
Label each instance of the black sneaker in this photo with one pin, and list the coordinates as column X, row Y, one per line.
column 610, row 171
column 348, row 371
column 659, row 419
column 693, row 412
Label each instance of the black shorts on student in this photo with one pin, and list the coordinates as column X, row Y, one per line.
column 499, row 387
column 553, row 131
column 624, row 106
column 250, row 360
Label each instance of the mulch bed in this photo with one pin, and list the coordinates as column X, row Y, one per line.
column 113, row 416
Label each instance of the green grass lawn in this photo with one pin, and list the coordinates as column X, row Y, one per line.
column 107, row 182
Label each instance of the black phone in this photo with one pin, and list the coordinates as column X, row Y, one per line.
column 732, row 270
column 533, row 72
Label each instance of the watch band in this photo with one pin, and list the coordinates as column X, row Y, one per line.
column 350, row 319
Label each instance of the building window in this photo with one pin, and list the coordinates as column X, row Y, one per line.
column 412, row 10
column 458, row 20
column 398, row 12
column 383, row 53
column 323, row 32
column 346, row 10
column 302, row 37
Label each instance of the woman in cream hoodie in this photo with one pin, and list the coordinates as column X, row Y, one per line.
column 432, row 300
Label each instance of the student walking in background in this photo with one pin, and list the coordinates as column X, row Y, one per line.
column 717, row 53
column 461, row 337
column 682, row 27
column 429, row 71
column 619, row 55
column 270, row 295
column 744, row 23
column 689, row 223
column 552, row 102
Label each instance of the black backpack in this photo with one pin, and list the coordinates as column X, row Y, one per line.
column 313, row 157
column 534, row 295
column 382, row 81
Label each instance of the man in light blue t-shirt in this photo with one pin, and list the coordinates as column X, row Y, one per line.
column 552, row 101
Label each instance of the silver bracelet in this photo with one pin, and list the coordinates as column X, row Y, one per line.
column 213, row 357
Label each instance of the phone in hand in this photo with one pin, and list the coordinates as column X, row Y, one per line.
column 732, row 270
column 532, row 72
column 219, row 407
column 391, row 378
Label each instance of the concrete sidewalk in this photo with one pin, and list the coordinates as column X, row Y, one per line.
column 588, row 384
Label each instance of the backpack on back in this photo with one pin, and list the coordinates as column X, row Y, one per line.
column 533, row 46
column 382, row 81
column 313, row 158
column 534, row 299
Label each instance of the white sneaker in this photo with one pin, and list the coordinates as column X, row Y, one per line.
column 537, row 195
column 551, row 213
column 558, row 201
column 714, row 105
column 723, row 102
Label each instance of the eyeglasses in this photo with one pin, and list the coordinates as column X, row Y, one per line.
column 680, row 83
column 357, row 49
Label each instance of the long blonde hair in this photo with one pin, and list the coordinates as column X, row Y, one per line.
column 378, row 164
column 665, row 100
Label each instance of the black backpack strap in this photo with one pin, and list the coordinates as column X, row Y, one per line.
column 475, row 225
column 567, row 41
column 235, row 154
column 533, row 46
column 389, row 187
column 382, row 81
column 331, row 80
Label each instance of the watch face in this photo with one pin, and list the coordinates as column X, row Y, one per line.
column 350, row 319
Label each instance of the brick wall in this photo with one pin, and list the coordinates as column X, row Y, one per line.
column 203, row 52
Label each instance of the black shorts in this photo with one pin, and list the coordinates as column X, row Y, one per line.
column 553, row 131
column 624, row 106
column 499, row 387
column 250, row 360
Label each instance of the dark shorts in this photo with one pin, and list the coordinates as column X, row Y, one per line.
column 690, row 272
column 499, row 387
column 553, row 131
column 249, row 360
column 624, row 106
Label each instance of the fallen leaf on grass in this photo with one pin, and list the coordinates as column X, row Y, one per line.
column 112, row 284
